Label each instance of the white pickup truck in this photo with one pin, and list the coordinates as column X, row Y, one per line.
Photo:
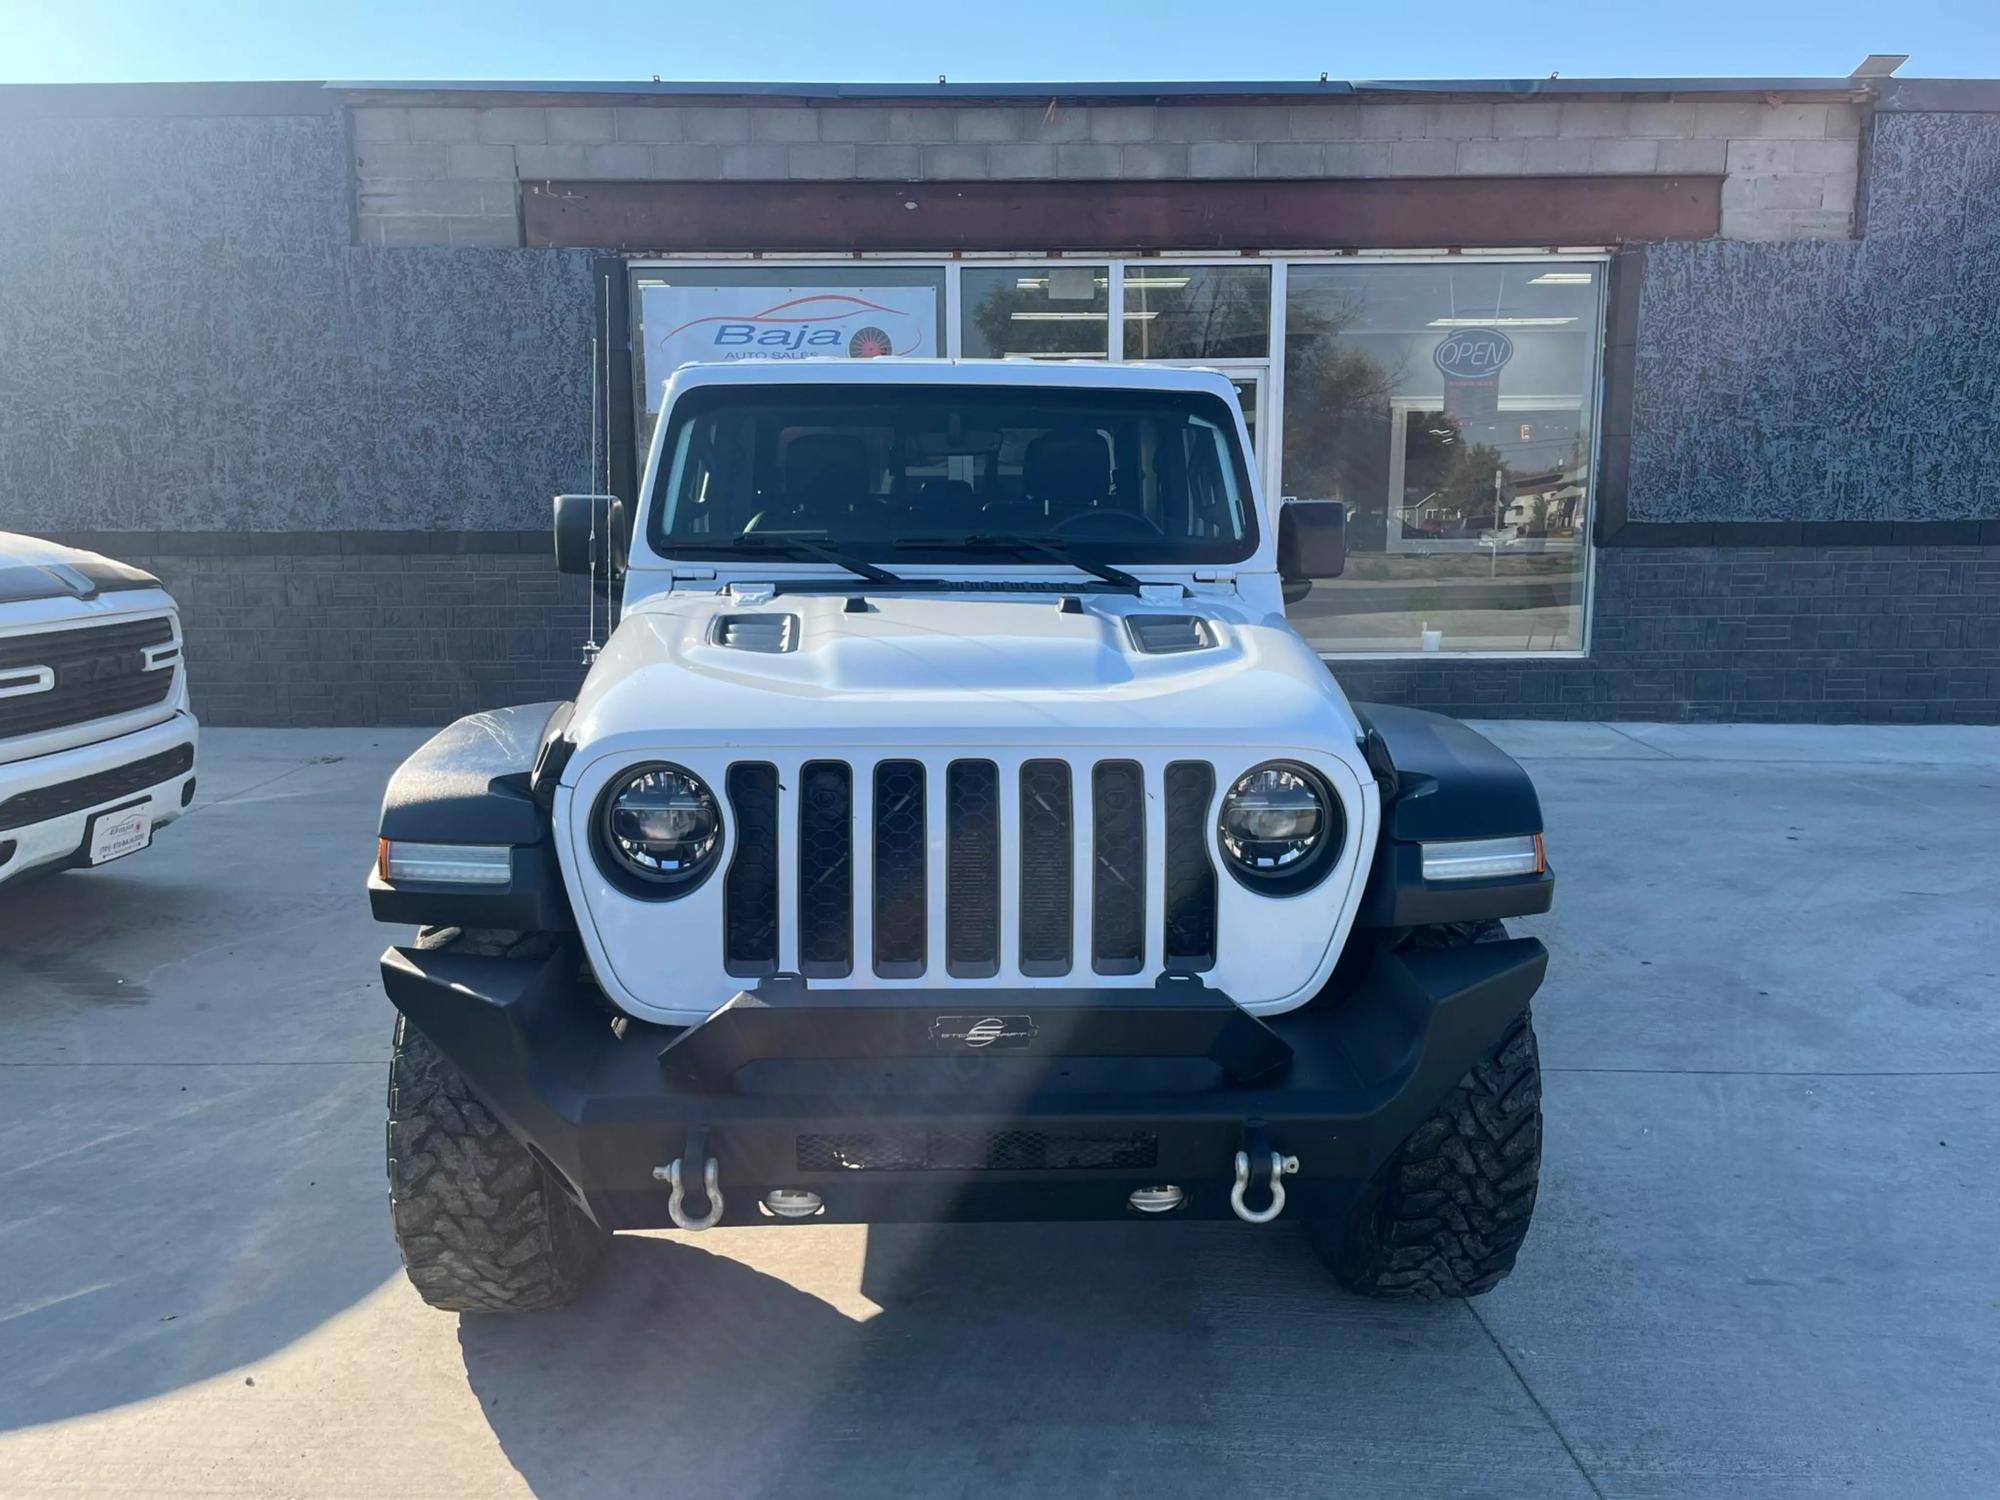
column 97, row 743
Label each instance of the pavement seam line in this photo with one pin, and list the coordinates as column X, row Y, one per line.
column 1643, row 744
column 329, row 1062
column 1792, row 1072
column 246, row 791
column 1529, row 1391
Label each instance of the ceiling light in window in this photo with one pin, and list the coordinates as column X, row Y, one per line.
column 1165, row 283
column 1562, row 278
column 1491, row 322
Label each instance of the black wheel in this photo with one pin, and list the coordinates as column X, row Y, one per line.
column 482, row 1225
column 1446, row 1215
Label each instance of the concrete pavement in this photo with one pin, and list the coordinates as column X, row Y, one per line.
column 1763, row 1262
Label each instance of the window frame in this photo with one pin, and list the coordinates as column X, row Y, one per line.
column 853, row 269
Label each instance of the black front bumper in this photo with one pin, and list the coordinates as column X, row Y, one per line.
column 891, row 1107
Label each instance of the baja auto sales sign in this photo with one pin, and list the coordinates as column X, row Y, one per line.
column 713, row 324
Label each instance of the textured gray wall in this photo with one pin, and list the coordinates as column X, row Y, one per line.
column 189, row 341
column 1816, row 381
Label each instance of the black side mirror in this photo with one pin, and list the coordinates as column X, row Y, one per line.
column 591, row 536
column 1312, row 543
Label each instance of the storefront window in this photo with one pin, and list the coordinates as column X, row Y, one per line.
column 1451, row 408
column 1061, row 312
column 719, row 314
column 1197, row 312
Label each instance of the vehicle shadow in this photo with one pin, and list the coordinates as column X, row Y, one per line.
column 1029, row 1359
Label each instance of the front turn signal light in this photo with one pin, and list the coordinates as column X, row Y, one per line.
column 400, row 862
column 1484, row 859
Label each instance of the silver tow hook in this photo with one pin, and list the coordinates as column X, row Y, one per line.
column 711, row 1181
column 1281, row 1168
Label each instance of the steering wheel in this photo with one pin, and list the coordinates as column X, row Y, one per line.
column 1109, row 524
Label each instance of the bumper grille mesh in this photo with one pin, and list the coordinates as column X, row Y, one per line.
column 901, row 917
column 750, row 889
column 66, row 797
column 1118, row 883
column 1190, row 878
column 826, row 870
column 972, row 870
column 1047, row 838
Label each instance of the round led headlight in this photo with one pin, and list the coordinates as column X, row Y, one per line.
column 658, row 830
column 1281, row 828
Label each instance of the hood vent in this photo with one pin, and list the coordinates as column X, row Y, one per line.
column 771, row 634
column 1163, row 635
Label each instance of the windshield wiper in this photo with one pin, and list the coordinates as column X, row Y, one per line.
column 1019, row 545
column 791, row 546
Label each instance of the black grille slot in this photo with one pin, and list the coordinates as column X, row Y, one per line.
column 972, row 870
column 977, row 1151
column 99, row 670
column 826, row 870
column 901, row 920
column 24, row 808
column 1118, row 883
column 750, row 889
column 1190, row 892
column 1047, row 837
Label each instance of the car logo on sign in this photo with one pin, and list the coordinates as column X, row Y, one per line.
column 980, row 1033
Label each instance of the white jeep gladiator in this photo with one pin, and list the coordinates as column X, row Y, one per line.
column 953, row 828
column 97, row 742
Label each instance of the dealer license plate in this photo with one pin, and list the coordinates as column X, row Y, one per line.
column 115, row 834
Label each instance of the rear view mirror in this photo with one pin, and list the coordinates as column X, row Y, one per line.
column 1312, row 543
column 591, row 537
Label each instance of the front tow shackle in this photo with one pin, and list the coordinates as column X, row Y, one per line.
column 1273, row 1168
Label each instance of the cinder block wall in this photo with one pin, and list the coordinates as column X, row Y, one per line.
column 339, row 455
column 440, row 174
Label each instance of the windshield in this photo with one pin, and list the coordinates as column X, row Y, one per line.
column 938, row 473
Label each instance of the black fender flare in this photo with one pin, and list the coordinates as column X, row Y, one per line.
column 484, row 779
column 1441, row 780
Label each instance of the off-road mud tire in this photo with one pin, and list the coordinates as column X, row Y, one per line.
column 1445, row 1217
column 483, row 1227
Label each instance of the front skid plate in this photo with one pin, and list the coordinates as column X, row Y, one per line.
column 963, row 1133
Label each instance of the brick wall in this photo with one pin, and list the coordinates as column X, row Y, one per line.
column 434, row 174
column 420, row 628
column 1829, row 635
column 317, row 628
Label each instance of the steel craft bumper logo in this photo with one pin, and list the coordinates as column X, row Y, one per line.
column 816, row 324
column 1001, row 1033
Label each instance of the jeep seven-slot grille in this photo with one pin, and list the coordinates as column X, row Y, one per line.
column 93, row 672
column 864, row 876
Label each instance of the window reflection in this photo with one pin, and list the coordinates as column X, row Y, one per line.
column 1042, row 311
column 1177, row 311
column 1450, row 407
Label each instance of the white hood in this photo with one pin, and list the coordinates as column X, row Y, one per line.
column 931, row 668
column 31, row 568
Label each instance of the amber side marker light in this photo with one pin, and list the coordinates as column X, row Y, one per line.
column 400, row 862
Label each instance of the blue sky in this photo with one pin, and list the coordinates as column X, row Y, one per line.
column 61, row 41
